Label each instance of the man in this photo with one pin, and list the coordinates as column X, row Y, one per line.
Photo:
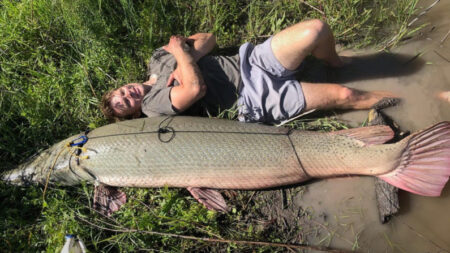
column 260, row 80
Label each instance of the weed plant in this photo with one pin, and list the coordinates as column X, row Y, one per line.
column 58, row 57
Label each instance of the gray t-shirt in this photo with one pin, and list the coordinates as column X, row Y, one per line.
column 220, row 73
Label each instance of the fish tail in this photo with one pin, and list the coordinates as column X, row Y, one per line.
column 424, row 165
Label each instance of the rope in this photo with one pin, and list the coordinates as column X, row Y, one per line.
column 51, row 170
column 77, row 149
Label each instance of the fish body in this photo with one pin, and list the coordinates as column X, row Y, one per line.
column 223, row 154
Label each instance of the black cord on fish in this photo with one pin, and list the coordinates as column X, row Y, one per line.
column 295, row 152
column 166, row 129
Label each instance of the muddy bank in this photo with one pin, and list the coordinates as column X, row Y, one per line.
column 341, row 213
column 417, row 71
column 423, row 224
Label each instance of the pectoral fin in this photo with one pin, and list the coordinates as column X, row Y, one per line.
column 370, row 135
column 108, row 199
column 211, row 199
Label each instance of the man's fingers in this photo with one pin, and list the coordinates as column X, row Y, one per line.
column 171, row 79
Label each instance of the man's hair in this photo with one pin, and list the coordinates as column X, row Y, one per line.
column 107, row 110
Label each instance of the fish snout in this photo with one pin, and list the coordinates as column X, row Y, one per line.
column 23, row 176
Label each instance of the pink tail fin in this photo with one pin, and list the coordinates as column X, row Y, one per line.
column 424, row 166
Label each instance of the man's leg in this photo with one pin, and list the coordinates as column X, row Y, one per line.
column 323, row 96
column 293, row 44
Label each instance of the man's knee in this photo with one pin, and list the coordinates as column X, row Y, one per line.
column 318, row 25
column 315, row 29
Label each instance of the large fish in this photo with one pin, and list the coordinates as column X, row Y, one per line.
column 202, row 153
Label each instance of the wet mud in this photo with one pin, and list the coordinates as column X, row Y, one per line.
column 341, row 212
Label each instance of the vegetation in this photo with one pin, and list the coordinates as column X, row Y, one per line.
column 58, row 57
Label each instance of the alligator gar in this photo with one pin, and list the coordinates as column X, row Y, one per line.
column 223, row 154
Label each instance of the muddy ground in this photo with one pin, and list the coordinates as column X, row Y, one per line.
column 341, row 213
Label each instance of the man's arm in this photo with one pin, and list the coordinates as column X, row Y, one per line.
column 201, row 44
column 187, row 73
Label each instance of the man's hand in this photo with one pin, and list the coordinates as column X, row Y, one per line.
column 202, row 44
column 178, row 48
column 187, row 73
column 176, row 75
column 198, row 45
column 177, row 44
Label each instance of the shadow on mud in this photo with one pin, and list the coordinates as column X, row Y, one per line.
column 362, row 67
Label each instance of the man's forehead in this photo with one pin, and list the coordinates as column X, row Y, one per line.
column 117, row 91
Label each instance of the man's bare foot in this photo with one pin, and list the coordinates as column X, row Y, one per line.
column 363, row 100
column 386, row 102
column 377, row 100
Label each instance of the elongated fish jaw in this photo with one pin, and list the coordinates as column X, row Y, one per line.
column 21, row 176
column 37, row 168
column 28, row 172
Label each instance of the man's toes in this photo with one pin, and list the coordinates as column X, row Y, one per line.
column 386, row 102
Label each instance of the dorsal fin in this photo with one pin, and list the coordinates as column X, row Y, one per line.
column 370, row 135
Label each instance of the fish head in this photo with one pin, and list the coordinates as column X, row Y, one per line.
column 39, row 168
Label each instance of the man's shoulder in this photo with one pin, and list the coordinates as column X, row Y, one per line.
column 158, row 54
column 161, row 63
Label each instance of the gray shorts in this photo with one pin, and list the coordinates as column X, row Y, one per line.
column 270, row 93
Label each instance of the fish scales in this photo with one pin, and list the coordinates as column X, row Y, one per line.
column 341, row 155
column 214, row 153
column 202, row 151
column 240, row 160
column 241, row 156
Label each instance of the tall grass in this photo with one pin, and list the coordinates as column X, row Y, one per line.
column 58, row 57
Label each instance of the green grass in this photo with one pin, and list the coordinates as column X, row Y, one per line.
column 58, row 57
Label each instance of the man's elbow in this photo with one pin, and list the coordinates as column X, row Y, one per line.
column 196, row 91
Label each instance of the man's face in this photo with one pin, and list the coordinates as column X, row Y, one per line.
column 127, row 99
